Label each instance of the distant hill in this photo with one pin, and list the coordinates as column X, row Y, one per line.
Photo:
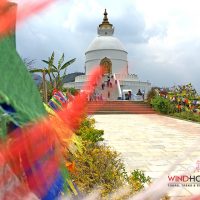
column 37, row 78
column 71, row 77
column 68, row 78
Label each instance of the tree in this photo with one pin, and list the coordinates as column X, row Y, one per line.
column 54, row 72
column 57, row 69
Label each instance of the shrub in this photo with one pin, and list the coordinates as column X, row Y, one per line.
column 98, row 166
column 88, row 133
column 137, row 180
column 151, row 94
column 71, row 90
column 163, row 105
column 188, row 115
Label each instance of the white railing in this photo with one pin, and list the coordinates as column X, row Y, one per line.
column 126, row 77
column 118, row 86
column 135, row 83
column 77, row 85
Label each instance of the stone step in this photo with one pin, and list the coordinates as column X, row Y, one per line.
column 115, row 103
column 121, row 112
column 118, row 102
column 123, row 109
column 119, row 107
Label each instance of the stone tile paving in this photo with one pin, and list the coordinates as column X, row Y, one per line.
column 153, row 143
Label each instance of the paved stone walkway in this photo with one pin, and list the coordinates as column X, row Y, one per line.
column 153, row 143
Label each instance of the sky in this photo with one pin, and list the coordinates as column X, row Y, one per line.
column 162, row 37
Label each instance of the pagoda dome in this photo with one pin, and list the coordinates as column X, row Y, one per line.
column 105, row 42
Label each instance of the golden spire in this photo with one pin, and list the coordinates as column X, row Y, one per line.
column 105, row 19
column 105, row 23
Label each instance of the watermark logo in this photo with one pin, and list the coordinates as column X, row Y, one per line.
column 186, row 179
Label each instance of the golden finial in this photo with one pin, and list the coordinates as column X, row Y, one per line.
column 105, row 22
column 105, row 19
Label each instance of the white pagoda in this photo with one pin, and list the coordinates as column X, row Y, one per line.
column 107, row 51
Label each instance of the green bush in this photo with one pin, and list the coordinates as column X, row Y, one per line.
column 88, row 133
column 163, row 105
column 151, row 94
column 71, row 90
column 188, row 115
column 98, row 166
column 138, row 180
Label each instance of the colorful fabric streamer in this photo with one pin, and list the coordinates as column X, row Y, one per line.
column 32, row 152
column 31, row 159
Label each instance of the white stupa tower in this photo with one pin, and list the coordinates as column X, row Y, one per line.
column 106, row 48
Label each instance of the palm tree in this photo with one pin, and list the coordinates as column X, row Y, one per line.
column 54, row 72
column 57, row 69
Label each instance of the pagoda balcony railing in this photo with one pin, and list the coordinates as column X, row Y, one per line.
column 126, row 77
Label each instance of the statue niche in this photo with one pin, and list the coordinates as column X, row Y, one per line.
column 106, row 66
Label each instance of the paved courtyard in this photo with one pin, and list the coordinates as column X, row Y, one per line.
column 153, row 143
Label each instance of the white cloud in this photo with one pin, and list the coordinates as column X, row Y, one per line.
column 161, row 36
column 81, row 10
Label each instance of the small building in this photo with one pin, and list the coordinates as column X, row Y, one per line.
column 107, row 51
